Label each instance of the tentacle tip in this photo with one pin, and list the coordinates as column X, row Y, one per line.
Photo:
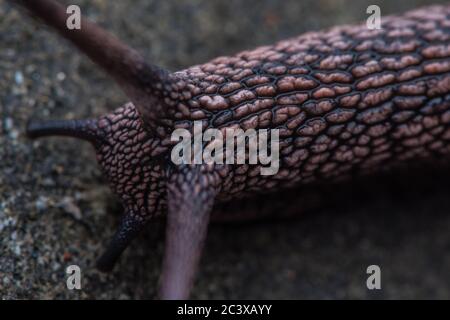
column 105, row 264
column 32, row 129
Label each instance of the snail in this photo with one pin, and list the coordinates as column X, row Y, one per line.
column 346, row 101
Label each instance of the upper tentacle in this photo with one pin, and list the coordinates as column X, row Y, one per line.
column 146, row 85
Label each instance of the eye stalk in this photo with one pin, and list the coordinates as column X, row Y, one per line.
column 144, row 83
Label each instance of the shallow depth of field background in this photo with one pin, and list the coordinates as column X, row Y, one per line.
column 56, row 210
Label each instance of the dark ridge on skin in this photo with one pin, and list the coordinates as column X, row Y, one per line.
column 348, row 102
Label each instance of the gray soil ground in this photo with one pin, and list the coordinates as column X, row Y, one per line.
column 56, row 210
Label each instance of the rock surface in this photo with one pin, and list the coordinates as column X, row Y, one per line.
column 56, row 210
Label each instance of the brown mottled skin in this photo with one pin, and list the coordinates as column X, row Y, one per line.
column 347, row 101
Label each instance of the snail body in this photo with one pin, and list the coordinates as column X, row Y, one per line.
column 346, row 101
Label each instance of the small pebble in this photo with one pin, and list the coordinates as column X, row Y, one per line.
column 14, row 134
column 67, row 256
column 18, row 77
column 61, row 76
column 17, row 250
column 8, row 124
column 56, row 266
column 41, row 204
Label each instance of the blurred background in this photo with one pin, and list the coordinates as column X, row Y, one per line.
column 56, row 209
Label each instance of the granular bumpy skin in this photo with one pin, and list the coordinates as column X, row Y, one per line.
column 347, row 101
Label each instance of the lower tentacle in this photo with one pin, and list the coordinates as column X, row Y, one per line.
column 129, row 228
column 81, row 129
